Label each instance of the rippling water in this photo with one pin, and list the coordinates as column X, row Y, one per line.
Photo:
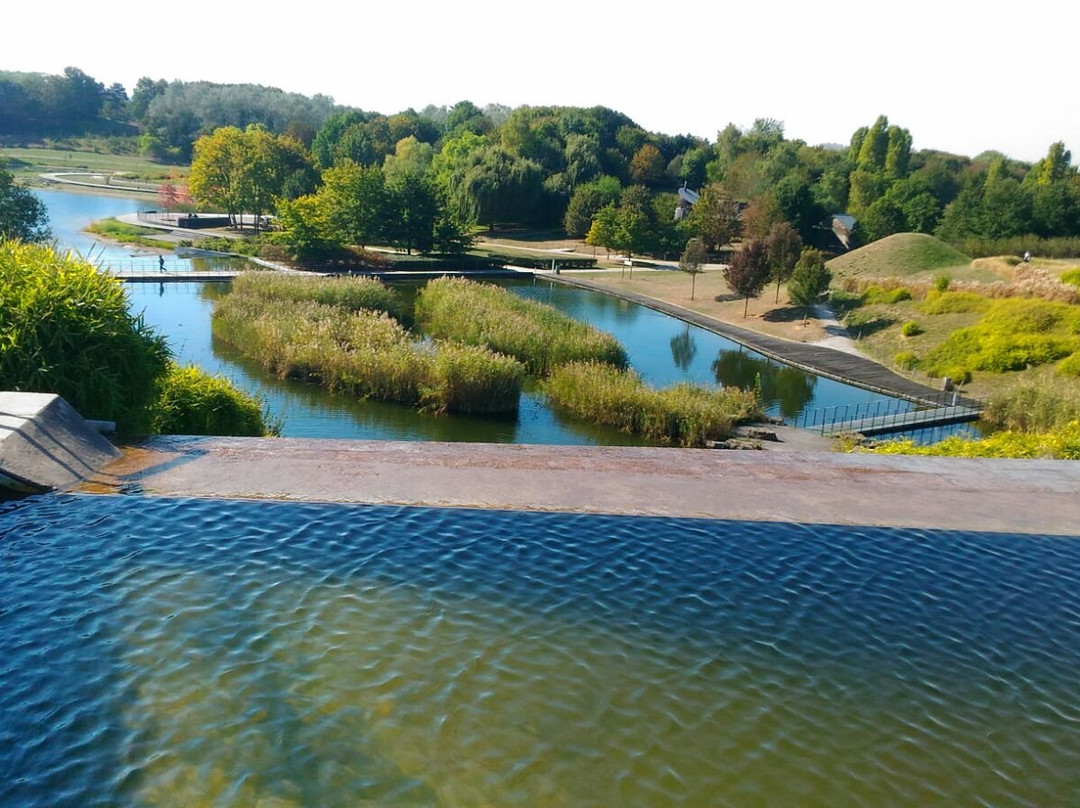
column 181, row 652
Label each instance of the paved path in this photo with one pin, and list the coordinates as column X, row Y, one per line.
column 834, row 364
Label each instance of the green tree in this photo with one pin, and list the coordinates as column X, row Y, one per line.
column 635, row 223
column 715, row 217
column 356, row 203
column 783, row 245
column 809, row 281
column 748, row 271
column 693, row 261
column 602, row 231
column 647, row 165
column 22, row 215
column 585, row 201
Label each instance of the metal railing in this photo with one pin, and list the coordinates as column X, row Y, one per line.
column 890, row 415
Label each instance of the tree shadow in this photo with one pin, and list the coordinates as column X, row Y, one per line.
column 727, row 297
column 784, row 314
column 858, row 330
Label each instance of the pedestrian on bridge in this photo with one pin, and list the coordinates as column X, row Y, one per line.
column 161, row 263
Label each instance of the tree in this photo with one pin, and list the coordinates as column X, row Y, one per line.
column 602, row 231
column 748, row 271
column 22, row 215
column 809, row 281
column 715, row 217
column 635, row 230
column 783, row 245
column 692, row 259
column 355, row 203
column 647, row 165
column 585, row 201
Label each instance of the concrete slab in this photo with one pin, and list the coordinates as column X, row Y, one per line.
column 46, row 445
column 1017, row 496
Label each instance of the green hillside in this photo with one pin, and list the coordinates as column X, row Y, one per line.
column 901, row 255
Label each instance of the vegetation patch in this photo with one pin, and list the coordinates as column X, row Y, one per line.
column 191, row 401
column 953, row 303
column 683, row 415
column 1013, row 334
column 366, row 354
column 539, row 336
column 1058, row 444
column 115, row 230
column 911, row 329
column 1071, row 277
column 66, row 329
column 352, row 294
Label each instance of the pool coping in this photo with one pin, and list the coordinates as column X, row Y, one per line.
column 986, row 495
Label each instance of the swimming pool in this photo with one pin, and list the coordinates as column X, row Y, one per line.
column 207, row 652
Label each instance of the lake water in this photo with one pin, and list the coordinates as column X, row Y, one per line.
column 214, row 653
column 662, row 349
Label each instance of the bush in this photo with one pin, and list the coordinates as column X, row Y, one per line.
column 66, row 329
column 953, row 303
column 906, row 360
column 911, row 329
column 192, row 402
column 539, row 336
column 878, row 294
column 683, row 415
column 1070, row 365
column 941, row 283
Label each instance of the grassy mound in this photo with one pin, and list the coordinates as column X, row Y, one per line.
column 899, row 255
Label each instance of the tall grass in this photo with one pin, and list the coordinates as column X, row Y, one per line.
column 193, row 402
column 539, row 336
column 1061, row 247
column 353, row 294
column 366, row 354
column 66, row 329
column 683, row 415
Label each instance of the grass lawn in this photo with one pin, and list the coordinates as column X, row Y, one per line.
column 27, row 163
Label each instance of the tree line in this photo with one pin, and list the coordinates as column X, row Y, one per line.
column 594, row 171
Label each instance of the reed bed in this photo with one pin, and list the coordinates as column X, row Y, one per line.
column 366, row 354
column 682, row 415
column 353, row 294
column 540, row 336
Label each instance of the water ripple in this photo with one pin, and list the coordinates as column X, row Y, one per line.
column 158, row 651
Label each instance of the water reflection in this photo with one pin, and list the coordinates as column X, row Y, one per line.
column 786, row 387
column 683, row 349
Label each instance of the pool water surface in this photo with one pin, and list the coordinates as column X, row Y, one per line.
column 194, row 652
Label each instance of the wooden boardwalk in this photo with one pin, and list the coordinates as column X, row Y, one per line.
column 832, row 364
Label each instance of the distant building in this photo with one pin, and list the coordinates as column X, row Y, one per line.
column 687, row 198
column 843, row 227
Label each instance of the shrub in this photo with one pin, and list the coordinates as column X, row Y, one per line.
column 911, row 329
column 953, row 303
column 941, row 283
column 66, row 329
column 683, row 415
column 539, row 336
column 906, row 360
column 192, row 402
column 1070, row 365
column 876, row 293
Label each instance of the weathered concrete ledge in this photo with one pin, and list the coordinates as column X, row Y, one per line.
column 1015, row 496
column 46, row 445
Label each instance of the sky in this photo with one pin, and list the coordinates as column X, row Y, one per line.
column 961, row 76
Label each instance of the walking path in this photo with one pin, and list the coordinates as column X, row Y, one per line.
column 839, row 365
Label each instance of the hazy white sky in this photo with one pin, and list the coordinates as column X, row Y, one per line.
column 961, row 76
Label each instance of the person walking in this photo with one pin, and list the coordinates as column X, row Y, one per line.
column 161, row 263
